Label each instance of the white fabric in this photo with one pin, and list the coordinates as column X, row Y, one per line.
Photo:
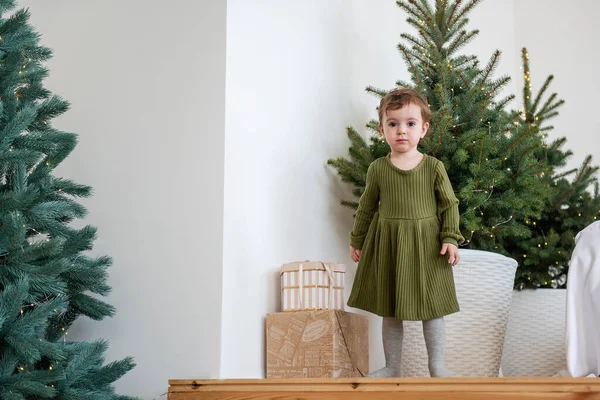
column 583, row 304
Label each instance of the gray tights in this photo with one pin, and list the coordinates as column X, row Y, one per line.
column 393, row 334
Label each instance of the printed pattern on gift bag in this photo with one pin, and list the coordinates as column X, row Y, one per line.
column 316, row 344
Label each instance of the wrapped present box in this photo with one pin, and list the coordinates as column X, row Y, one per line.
column 317, row 344
column 312, row 285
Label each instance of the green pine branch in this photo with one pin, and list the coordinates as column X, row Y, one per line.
column 45, row 276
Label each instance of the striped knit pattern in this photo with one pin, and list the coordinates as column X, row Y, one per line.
column 402, row 220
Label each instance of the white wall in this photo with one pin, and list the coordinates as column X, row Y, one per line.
column 296, row 73
column 147, row 85
column 563, row 40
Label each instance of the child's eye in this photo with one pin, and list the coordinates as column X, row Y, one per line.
column 392, row 124
column 412, row 123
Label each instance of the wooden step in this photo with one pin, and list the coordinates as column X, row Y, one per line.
column 386, row 388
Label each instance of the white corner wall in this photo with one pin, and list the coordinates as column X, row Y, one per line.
column 296, row 73
column 147, row 85
column 207, row 180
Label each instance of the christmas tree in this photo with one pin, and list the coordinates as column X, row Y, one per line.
column 573, row 204
column 46, row 279
column 489, row 153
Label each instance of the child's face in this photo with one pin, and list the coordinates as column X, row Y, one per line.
column 403, row 128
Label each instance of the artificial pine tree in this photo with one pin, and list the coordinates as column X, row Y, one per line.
column 487, row 150
column 46, row 278
column 573, row 204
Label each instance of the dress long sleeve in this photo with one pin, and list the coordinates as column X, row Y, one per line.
column 367, row 206
column 447, row 205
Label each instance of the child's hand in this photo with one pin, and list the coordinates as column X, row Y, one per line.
column 452, row 251
column 354, row 254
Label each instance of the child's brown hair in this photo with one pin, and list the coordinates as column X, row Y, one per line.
column 399, row 98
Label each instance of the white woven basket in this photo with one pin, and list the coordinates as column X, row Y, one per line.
column 475, row 335
column 535, row 336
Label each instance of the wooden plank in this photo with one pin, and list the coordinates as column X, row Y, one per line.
column 381, row 396
column 387, row 388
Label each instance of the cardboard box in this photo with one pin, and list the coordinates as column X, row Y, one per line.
column 312, row 285
column 317, row 344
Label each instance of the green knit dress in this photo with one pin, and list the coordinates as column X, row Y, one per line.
column 402, row 220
